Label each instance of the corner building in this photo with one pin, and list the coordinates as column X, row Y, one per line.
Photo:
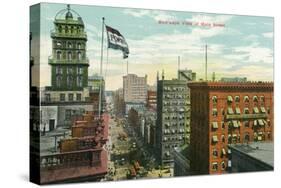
column 226, row 113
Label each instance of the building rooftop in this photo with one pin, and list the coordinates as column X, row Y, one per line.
column 263, row 151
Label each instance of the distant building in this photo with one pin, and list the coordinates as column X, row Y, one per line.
column 225, row 113
column 258, row 156
column 151, row 99
column 134, row 88
column 172, row 124
column 69, row 94
column 233, row 79
column 187, row 75
column 96, row 83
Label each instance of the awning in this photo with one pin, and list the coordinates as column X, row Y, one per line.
column 229, row 98
column 261, row 122
column 246, row 98
column 215, row 125
column 246, row 110
column 255, row 122
column 256, row 110
column 229, row 111
column 234, row 135
column 223, row 151
column 263, row 109
column 235, row 124
column 259, row 138
column 215, row 138
column 237, row 110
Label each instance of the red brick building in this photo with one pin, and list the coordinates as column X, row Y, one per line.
column 151, row 99
column 225, row 113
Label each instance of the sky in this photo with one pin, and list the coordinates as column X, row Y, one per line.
column 238, row 46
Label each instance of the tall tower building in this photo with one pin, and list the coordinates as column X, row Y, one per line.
column 68, row 61
column 69, row 94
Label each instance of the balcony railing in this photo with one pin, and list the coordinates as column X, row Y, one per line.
column 246, row 116
column 71, row 159
column 67, row 61
column 69, row 35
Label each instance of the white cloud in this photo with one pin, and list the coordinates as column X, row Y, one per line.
column 268, row 35
column 155, row 14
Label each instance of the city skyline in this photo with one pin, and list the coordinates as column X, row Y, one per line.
column 242, row 47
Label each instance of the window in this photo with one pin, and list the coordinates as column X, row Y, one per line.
column 247, row 138
column 268, row 110
column 222, row 138
column 223, row 165
column 237, row 99
column 230, row 111
column 59, row 80
column 229, row 99
column 69, row 56
column 215, row 153
column 58, row 55
column 246, row 124
column 215, row 125
column 79, row 81
column 256, row 110
column 214, row 99
column 215, row 139
column 255, row 98
column 215, row 112
column 223, row 152
column 79, row 45
column 58, row 70
column 62, row 97
column 246, row 110
column 237, row 110
column 69, row 81
column 67, row 114
column 78, row 96
column 246, row 99
column 79, row 56
column 222, row 125
column 47, row 97
column 214, row 166
column 69, row 45
column 70, row 97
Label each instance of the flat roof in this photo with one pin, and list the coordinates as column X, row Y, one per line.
column 263, row 151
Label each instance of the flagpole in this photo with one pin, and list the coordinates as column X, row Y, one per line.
column 127, row 67
column 206, row 61
column 101, row 61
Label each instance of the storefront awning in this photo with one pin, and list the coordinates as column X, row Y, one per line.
column 215, row 125
column 230, row 111
column 237, row 110
column 215, row 138
column 263, row 109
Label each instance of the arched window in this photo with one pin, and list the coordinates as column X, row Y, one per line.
column 69, row 56
column 59, row 29
column 222, row 138
column 79, row 45
column 79, row 56
column 223, row 166
column 214, row 99
column 66, row 29
column 247, row 138
column 246, row 99
column 255, row 98
column 59, row 80
column 69, row 45
column 237, row 99
column 58, row 54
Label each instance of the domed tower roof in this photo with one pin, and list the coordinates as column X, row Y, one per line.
column 68, row 14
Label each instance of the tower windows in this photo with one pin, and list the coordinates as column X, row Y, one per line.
column 69, row 81
column 69, row 45
column 69, row 56
column 59, row 55
column 79, row 45
column 79, row 56
column 79, row 81
column 59, row 80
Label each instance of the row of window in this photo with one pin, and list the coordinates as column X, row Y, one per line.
column 234, row 138
column 216, row 153
column 237, row 111
column 66, row 29
column 237, row 99
column 179, row 103
column 174, row 117
column 69, row 45
column 70, row 80
column 173, row 131
column 175, row 96
column 179, row 138
column 69, row 70
column 167, row 124
column 167, row 88
column 63, row 97
column 215, row 166
column 70, row 55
